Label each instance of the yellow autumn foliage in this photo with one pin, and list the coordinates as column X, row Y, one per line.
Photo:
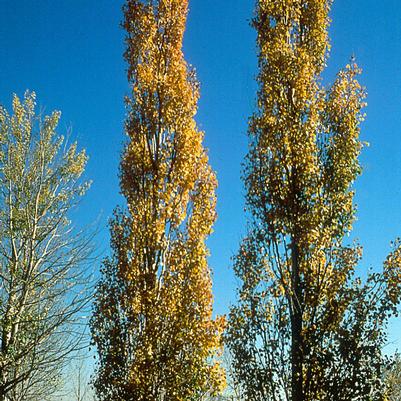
column 159, row 245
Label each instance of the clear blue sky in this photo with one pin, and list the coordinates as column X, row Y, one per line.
column 70, row 53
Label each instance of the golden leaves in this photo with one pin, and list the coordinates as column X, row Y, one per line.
column 302, row 162
column 170, row 191
column 392, row 273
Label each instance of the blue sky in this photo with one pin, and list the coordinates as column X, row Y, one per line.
column 70, row 53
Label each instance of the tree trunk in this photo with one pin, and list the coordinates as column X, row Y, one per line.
column 297, row 391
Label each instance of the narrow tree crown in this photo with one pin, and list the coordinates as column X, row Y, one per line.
column 300, row 306
column 158, row 245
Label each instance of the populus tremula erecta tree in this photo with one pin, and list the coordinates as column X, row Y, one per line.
column 305, row 328
column 42, row 270
column 152, row 323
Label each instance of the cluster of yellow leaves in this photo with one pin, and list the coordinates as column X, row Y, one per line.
column 392, row 273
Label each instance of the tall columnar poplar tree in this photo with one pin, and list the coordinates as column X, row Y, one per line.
column 304, row 327
column 152, row 322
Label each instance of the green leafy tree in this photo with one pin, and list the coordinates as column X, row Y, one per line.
column 41, row 255
column 305, row 328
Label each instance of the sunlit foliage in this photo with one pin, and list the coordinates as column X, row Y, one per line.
column 152, row 324
column 305, row 328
